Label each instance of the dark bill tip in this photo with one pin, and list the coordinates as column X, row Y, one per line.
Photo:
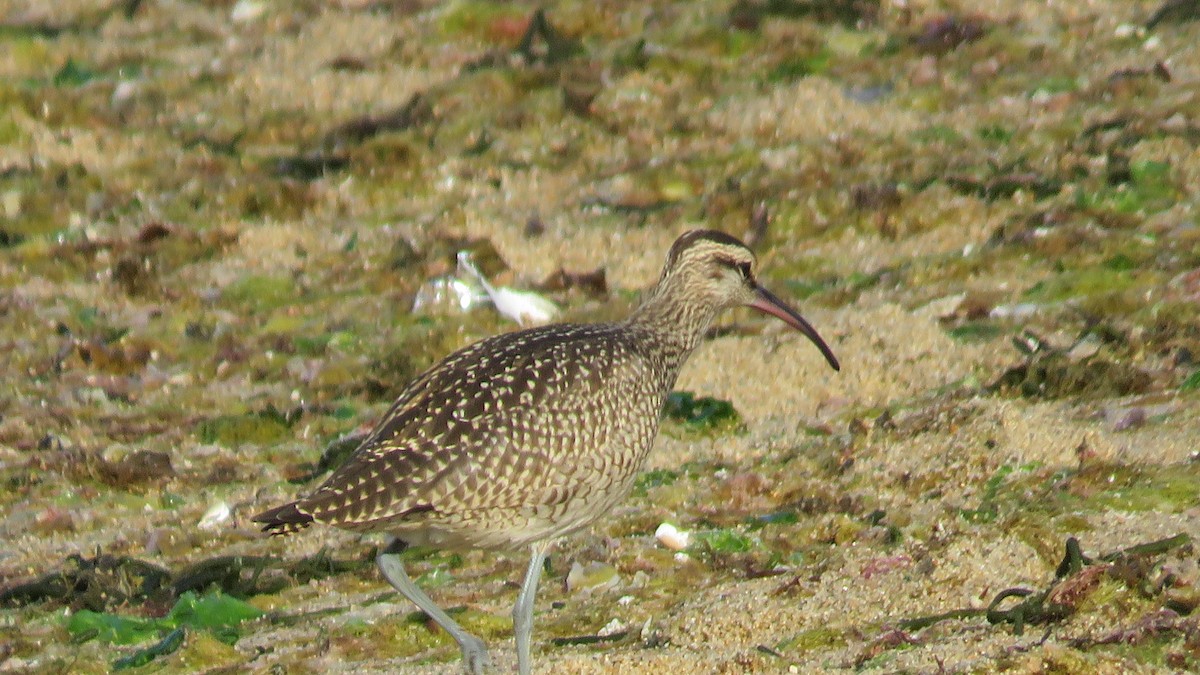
column 769, row 303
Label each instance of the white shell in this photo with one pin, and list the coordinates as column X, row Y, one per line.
column 672, row 537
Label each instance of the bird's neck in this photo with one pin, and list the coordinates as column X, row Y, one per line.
column 673, row 326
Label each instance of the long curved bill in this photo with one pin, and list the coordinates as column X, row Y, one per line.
column 768, row 302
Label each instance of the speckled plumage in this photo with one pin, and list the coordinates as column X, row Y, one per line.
column 516, row 438
column 528, row 436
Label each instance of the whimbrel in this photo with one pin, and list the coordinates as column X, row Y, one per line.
column 526, row 437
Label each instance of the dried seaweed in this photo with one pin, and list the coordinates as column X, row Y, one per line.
column 1174, row 11
column 138, row 468
column 593, row 283
column 416, row 111
column 946, row 33
column 1048, row 372
column 544, row 44
column 105, row 582
column 1049, row 605
column 98, row 583
column 167, row 645
column 588, row 639
column 749, row 14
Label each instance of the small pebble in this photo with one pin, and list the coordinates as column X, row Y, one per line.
column 1133, row 418
column 1125, row 30
column 612, row 628
column 1022, row 310
column 10, row 203
column 123, row 93
column 247, row 10
column 1084, row 349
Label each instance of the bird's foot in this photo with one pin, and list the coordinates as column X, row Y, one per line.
column 474, row 655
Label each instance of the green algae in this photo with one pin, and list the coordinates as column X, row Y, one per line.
column 1071, row 524
column 977, row 331
column 482, row 19
column 814, row 639
column 988, row 510
column 261, row 293
column 1149, row 189
column 937, row 134
column 11, row 133
column 1133, row 489
column 1191, row 382
column 202, row 650
column 357, row 640
column 995, row 133
column 73, row 74
column 43, row 206
column 214, row 612
column 724, row 541
column 1082, row 283
column 258, row 428
column 29, row 50
column 798, row 66
column 700, row 413
column 655, row 478
column 1063, row 496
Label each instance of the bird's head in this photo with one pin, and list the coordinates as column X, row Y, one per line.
column 719, row 271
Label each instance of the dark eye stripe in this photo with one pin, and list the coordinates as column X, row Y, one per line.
column 743, row 267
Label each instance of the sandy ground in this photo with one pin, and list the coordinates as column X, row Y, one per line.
column 973, row 489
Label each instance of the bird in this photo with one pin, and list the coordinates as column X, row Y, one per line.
column 526, row 437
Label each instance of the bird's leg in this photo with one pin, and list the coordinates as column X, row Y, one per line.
column 523, row 610
column 474, row 652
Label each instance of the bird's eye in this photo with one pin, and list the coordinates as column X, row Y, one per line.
column 744, row 268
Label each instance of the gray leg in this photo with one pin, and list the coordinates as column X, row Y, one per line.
column 523, row 610
column 474, row 652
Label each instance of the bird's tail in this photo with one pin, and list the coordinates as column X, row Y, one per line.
column 283, row 520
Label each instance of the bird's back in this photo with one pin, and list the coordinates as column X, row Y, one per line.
column 515, row 438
